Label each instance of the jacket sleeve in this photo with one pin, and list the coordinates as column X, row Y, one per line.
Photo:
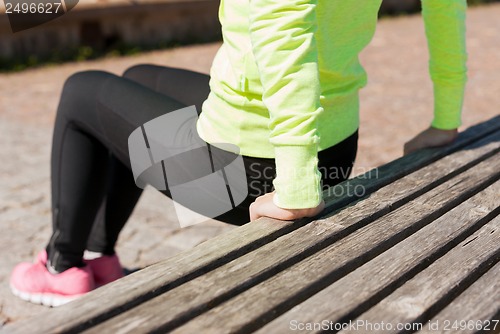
column 445, row 30
column 283, row 44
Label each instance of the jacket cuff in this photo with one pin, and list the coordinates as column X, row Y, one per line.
column 298, row 181
column 448, row 102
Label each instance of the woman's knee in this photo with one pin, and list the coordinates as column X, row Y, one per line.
column 144, row 74
column 137, row 70
column 81, row 91
column 85, row 82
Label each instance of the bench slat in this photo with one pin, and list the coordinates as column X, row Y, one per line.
column 183, row 303
column 480, row 302
column 166, row 275
column 442, row 280
column 353, row 294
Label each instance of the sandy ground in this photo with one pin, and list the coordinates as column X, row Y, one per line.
column 396, row 105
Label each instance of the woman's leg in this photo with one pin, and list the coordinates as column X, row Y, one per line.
column 122, row 194
column 187, row 87
column 97, row 113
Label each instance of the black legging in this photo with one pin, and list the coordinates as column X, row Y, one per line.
column 93, row 191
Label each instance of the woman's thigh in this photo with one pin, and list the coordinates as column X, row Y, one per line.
column 185, row 86
column 336, row 163
column 109, row 108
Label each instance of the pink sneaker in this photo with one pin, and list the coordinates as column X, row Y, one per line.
column 34, row 283
column 106, row 269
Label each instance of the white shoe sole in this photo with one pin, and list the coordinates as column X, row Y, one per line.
column 47, row 299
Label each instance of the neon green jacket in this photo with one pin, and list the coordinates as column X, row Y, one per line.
column 285, row 82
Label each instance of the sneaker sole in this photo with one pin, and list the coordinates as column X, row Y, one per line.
column 47, row 299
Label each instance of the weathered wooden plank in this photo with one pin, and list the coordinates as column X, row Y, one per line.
column 419, row 298
column 367, row 285
column 156, row 279
column 197, row 296
column 476, row 306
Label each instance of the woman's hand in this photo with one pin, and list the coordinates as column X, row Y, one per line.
column 431, row 137
column 265, row 207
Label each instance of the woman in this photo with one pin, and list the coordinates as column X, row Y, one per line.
column 283, row 88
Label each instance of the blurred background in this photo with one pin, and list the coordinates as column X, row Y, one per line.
column 112, row 35
column 97, row 28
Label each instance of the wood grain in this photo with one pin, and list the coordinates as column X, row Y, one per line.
column 434, row 287
column 356, row 292
column 479, row 303
column 199, row 295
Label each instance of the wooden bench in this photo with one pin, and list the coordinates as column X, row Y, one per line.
column 420, row 248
